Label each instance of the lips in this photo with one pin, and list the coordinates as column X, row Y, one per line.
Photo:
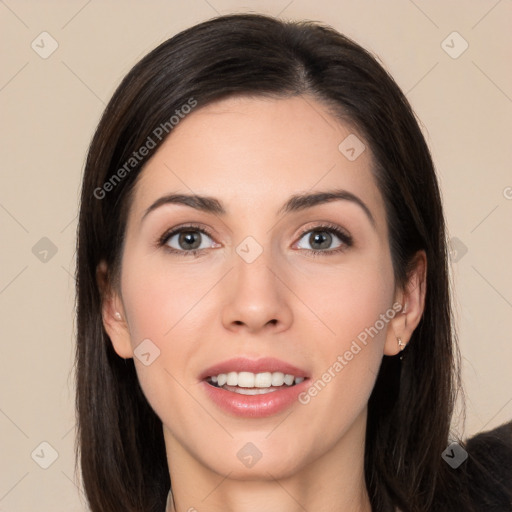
column 253, row 388
column 268, row 364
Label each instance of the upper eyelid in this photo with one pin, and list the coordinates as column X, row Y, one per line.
column 327, row 226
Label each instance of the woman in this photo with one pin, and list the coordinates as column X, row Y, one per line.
column 264, row 319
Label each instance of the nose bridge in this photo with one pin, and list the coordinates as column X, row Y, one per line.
column 256, row 296
column 253, row 264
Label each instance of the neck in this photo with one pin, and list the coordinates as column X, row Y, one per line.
column 333, row 481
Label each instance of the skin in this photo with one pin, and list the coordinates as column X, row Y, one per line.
column 253, row 154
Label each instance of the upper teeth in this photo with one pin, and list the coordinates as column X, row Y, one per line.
column 255, row 380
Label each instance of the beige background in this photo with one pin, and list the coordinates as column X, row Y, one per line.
column 50, row 107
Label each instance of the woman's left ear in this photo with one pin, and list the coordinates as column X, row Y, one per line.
column 412, row 299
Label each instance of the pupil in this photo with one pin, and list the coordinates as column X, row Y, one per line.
column 321, row 235
column 188, row 239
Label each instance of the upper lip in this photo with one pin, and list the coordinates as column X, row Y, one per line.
column 243, row 364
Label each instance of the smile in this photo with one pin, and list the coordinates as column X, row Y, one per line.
column 243, row 387
column 248, row 383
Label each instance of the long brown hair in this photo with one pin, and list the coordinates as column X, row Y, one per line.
column 120, row 441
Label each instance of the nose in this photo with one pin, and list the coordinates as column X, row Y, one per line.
column 257, row 298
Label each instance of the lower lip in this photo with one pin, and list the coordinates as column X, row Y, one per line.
column 255, row 406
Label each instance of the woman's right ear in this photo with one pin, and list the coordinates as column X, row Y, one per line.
column 113, row 314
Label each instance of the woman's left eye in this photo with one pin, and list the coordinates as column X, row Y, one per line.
column 321, row 238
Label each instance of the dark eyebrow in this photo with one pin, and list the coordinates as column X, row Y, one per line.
column 202, row 203
column 295, row 203
column 300, row 202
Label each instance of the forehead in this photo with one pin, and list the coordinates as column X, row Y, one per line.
column 253, row 153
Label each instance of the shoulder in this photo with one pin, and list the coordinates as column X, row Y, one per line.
column 489, row 469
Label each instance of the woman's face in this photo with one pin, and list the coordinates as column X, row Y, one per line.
column 255, row 299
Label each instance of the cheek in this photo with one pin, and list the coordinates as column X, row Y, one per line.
column 159, row 308
column 348, row 360
column 355, row 306
column 165, row 308
column 348, row 301
column 159, row 299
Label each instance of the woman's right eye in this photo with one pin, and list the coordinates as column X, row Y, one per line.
column 186, row 240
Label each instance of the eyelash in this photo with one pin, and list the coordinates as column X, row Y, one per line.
column 345, row 238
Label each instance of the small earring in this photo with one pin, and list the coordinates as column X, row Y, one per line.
column 117, row 315
column 401, row 344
